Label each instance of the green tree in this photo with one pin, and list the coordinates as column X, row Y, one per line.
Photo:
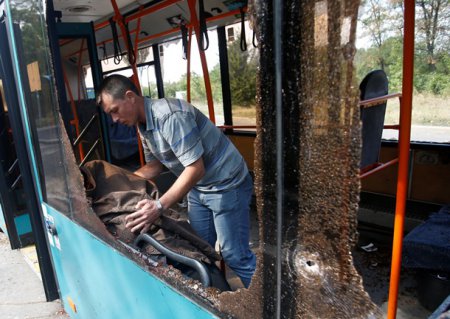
column 242, row 69
column 367, row 60
column 382, row 21
column 373, row 20
column 27, row 16
column 216, row 83
column 432, row 20
column 170, row 88
column 198, row 92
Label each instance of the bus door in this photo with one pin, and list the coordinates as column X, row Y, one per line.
column 21, row 178
column 14, row 217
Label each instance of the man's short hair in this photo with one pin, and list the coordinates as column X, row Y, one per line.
column 115, row 85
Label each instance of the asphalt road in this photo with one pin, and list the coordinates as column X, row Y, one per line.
column 422, row 133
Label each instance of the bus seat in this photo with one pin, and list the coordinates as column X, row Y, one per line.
column 374, row 84
column 428, row 245
column 426, row 249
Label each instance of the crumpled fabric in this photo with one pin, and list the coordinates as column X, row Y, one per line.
column 113, row 194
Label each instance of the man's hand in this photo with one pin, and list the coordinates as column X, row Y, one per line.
column 145, row 215
column 147, row 211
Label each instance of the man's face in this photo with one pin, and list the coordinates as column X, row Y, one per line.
column 123, row 110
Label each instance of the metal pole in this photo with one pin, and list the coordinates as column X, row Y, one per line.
column 198, row 33
column 225, row 76
column 404, row 137
column 278, row 56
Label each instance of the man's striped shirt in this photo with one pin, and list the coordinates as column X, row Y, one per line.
column 177, row 134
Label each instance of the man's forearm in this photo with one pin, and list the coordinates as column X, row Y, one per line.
column 184, row 183
column 149, row 170
column 147, row 210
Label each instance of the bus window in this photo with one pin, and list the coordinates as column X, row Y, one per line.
column 174, row 73
column 39, row 94
column 147, row 79
column 380, row 47
column 242, row 69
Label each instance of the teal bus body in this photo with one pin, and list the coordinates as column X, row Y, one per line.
column 94, row 280
column 103, row 283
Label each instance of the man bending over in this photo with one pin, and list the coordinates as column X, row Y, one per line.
column 209, row 168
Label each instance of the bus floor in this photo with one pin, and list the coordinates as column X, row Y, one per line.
column 374, row 266
column 22, row 294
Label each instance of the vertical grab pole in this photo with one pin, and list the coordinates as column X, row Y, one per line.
column 404, row 137
column 75, row 113
column 136, row 43
column 79, row 68
column 198, row 33
column 120, row 21
column 136, row 38
column 188, row 72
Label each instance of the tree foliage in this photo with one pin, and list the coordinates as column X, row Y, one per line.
column 28, row 18
column 243, row 66
column 242, row 72
column 433, row 27
column 381, row 22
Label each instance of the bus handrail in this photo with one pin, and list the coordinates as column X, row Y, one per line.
column 378, row 100
column 191, row 262
column 88, row 155
column 236, row 126
column 85, row 129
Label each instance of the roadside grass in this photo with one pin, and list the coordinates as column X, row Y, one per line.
column 244, row 111
column 428, row 110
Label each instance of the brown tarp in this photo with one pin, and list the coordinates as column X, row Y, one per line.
column 113, row 194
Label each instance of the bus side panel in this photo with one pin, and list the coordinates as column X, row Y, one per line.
column 430, row 171
column 384, row 181
column 245, row 145
column 96, row 281
column 431, row 176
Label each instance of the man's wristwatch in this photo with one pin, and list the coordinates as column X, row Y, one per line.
column 159, row 205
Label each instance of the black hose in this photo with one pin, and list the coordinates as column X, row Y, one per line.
column 131, row 53
column 205, row 278
column 105, row 54
column 184, row 39
column 255, row 44
column 203, row 29
column 243, row 41
column 216, row 10
column 116, row 43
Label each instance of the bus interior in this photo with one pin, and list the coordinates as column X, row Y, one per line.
column 333, row 199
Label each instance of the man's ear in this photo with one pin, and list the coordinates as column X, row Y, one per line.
column 130, row 95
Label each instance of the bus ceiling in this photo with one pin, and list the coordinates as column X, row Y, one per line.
column 146, row 22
